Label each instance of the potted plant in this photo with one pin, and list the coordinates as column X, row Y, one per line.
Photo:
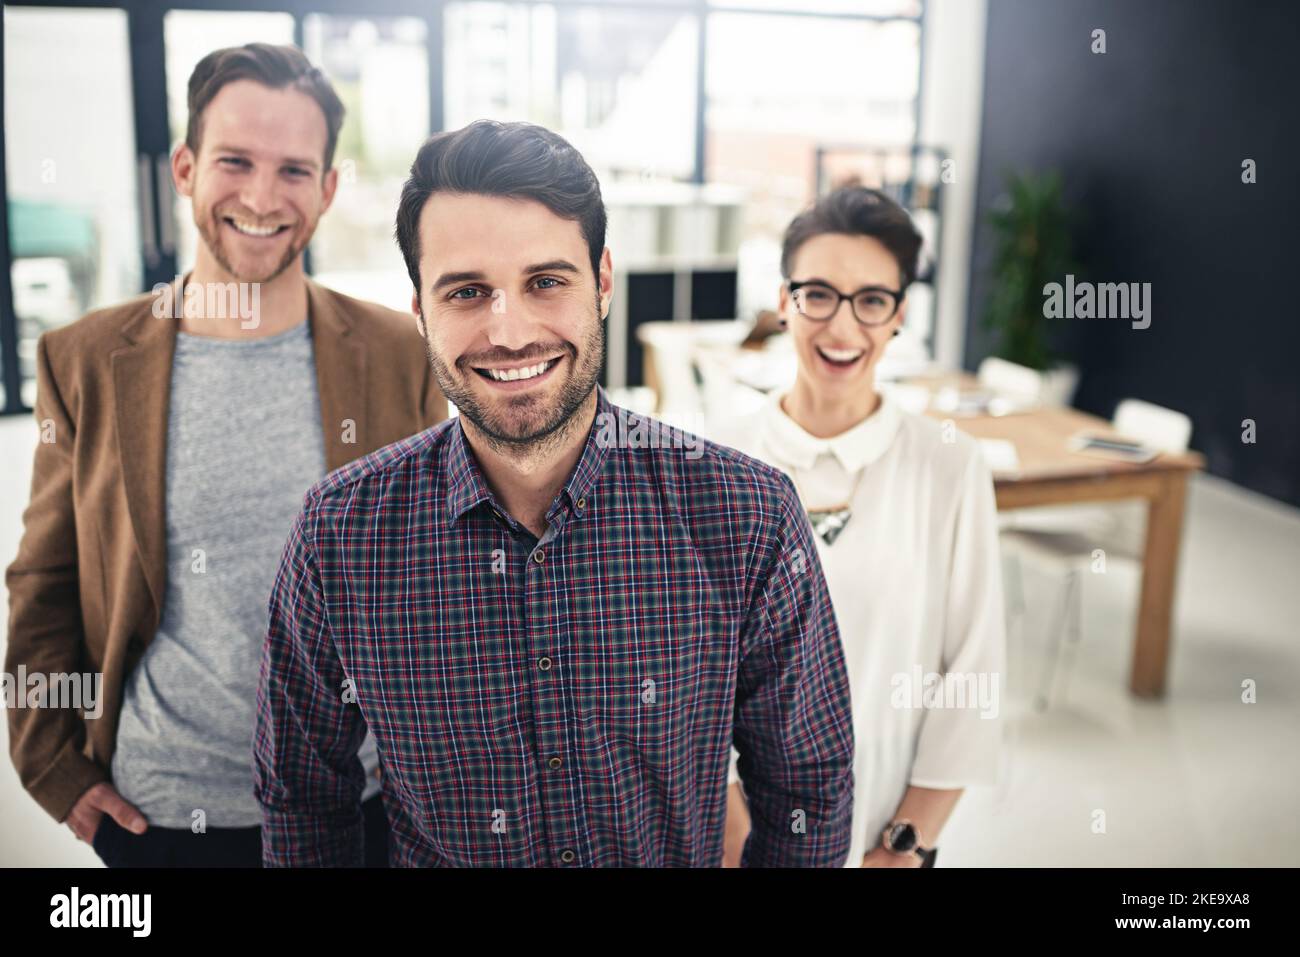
column 1031, row 227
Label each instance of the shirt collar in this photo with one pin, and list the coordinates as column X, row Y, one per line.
column 467, row 488
column 855, row 448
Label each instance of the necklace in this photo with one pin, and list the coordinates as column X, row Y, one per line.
column 830, row 521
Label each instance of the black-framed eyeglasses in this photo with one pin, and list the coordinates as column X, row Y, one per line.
column 871, row 305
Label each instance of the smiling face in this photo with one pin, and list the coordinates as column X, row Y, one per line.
column 256, row 183
column 511, row 313
column 838, row 357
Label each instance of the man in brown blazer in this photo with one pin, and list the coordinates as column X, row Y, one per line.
column 179, row 432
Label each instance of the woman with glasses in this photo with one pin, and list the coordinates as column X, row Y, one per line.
column 903, row 510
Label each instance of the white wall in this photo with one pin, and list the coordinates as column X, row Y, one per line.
column 952, row 90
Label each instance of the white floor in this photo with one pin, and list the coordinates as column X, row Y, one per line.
column 1100, row 778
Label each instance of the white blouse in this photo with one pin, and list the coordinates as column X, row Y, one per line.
column 915, row 581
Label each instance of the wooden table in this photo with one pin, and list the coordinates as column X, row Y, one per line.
column 1050, row 474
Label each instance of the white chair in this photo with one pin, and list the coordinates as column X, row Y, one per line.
column 670, row 351
column 1064, row 540
column 1013, row 381
column 1008, row 378
column 1160, row 428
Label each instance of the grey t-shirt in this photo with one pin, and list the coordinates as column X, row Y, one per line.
column 244, row 444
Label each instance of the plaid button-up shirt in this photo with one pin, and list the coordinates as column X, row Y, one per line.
column 563, row 702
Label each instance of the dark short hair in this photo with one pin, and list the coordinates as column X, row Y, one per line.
column 856, row 211
column 278, row 67
column 516, row 160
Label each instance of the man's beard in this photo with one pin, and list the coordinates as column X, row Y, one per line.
column 539, row 431
column 210, row 230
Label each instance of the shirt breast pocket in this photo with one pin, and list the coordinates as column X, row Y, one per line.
column 448, row 705
column 655, row 659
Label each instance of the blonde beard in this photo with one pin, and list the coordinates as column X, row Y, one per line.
column 210, row 233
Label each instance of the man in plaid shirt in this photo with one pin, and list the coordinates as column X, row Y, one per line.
column 553, row 614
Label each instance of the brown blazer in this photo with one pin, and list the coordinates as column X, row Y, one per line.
column 86, row 590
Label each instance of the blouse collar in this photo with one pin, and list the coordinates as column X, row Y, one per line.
column 855, row 448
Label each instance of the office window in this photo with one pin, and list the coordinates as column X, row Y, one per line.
column 780, row 86
column 74, row 220
column 876, row 8
column 379, row 67
column 618, row 83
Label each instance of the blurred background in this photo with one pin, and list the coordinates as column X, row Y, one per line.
column 1022, row 151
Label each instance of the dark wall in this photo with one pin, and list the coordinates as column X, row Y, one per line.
column 1150, row 137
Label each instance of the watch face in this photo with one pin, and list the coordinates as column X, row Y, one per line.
column 902, row 838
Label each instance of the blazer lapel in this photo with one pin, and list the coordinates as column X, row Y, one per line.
column 142, row 393
column 340, row 377
column 142, row 389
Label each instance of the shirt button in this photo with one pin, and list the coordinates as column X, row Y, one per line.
column 567, row 856
column 555, row 763
column 582, row 503
column 544, row 664
column 539, row 556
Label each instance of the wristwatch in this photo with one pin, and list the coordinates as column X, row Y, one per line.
column 901, row 836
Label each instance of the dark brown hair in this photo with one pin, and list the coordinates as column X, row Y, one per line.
column 517, row 160
column 275, row 66
column 856, row 211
